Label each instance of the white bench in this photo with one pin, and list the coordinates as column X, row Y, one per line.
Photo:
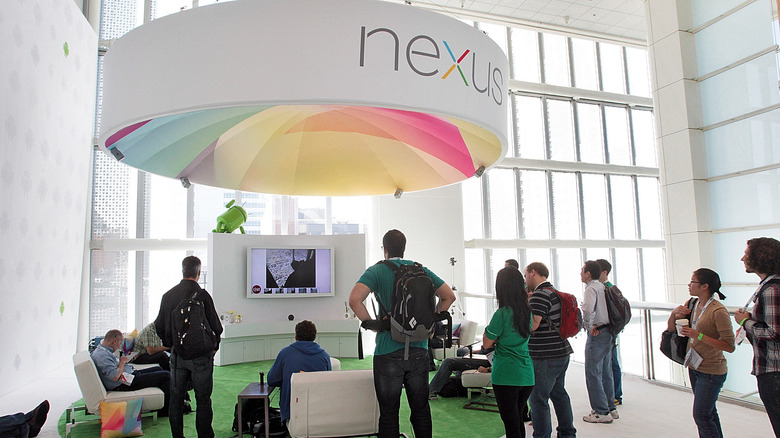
column 476, row 382
column 333, row 404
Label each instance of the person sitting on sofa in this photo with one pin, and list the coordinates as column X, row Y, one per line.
column 302, row 355
column 149, row 348
column 113, row 370
column 457, row 365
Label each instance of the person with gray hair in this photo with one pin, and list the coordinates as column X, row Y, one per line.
column 198, row 372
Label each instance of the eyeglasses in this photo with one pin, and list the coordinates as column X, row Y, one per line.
column 697, row 282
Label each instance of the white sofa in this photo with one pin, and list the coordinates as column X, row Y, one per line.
column 94, row 392
column 468, row 335
column 333, row 404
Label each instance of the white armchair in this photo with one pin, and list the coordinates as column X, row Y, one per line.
column 467, row 335
column 333, row 404
column 94, row 392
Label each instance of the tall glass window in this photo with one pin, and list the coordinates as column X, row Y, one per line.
column 600, row 185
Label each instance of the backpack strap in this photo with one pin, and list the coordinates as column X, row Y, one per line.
column 560, row 303
column 606, row 291
column 394, row 267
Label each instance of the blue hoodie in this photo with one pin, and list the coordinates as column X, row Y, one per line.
column 296, row 357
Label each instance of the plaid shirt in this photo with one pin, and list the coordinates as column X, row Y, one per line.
column 147, row 338
column 763, row 329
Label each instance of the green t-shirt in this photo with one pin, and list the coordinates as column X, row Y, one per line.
column 512, row 364
column 380, row 279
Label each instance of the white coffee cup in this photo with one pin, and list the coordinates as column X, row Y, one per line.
column 680, row 323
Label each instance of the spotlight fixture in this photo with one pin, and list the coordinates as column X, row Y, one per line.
column 479, row 172
column 185, row 182
column 398, row 194
column 117, row 154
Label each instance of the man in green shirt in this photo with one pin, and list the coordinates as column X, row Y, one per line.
column 391, row 371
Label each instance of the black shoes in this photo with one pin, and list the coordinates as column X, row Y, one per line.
column 37, row 418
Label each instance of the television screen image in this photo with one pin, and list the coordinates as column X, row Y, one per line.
column 290, row 272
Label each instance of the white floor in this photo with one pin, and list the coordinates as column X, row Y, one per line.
column 648, row 411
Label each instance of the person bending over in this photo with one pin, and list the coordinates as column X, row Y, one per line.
column 113, row 370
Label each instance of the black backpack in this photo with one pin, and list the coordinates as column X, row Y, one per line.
column 412, row 313
column 193, row 336
column 618, row 309
column 253, row 417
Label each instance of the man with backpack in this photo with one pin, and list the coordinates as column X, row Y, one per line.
column 550, row 353
column 398, row 364
column 617, row 377
column 598, row 347
column 188, row 324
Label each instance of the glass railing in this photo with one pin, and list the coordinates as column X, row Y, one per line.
column 640, row 354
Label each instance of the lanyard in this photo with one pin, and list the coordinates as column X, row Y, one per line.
column 754, row 297
column 696, row 318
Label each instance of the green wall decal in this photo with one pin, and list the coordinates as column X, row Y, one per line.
column 66, row 49
column 62, row 308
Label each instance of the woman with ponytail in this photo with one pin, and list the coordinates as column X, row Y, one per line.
column 710, row 335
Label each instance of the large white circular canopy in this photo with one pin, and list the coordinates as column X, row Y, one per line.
column 307, row 97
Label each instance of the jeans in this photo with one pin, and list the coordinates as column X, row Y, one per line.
column 510, row 401
column 14, row 425
column 550, row 384
column 160, row 358
column 706, row 388
column 154, row 377
column 768, row 388
column 452, row 364
column 197, row 372
column 598, row 372
column 391, row 372
column 617, row 378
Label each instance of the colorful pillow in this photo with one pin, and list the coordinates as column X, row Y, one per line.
column 456, row 330
column 121, row 419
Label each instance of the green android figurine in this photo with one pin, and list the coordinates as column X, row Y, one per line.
column 232, row 219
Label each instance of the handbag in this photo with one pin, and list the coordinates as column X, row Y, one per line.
column 673, row 346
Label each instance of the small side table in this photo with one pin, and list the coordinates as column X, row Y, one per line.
column 254, row 390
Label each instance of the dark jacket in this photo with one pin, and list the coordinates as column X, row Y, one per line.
column 172, row 298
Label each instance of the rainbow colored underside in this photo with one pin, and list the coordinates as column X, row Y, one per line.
column 309, row 149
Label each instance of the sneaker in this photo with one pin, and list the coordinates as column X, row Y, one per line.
column 618, row 402
column 433, row 396
column 614, row 414
column 597, row 418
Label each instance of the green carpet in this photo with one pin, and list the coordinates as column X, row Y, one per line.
column 449, row 417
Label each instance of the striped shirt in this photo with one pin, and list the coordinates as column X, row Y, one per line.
column 763, row 329
column 545, row 341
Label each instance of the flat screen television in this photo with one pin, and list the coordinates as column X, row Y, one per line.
column 289, row 272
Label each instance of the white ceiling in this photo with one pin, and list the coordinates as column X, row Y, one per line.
column 624, row 19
